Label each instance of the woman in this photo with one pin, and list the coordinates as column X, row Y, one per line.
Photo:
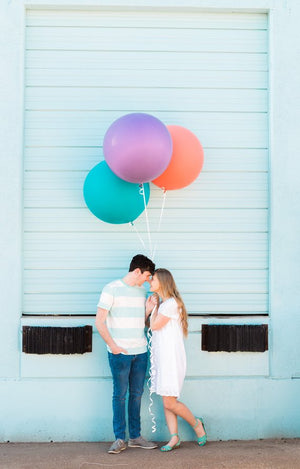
column 168, row 365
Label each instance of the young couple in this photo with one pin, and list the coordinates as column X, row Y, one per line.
column 121, row 315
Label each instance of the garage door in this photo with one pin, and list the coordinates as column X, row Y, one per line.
column 204, row 71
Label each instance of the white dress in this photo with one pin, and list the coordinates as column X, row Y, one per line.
column 168, row 360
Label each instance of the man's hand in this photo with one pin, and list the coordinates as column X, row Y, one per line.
column 116, row 350
column 104, row 332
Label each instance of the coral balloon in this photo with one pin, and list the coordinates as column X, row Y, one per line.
column 110, row 198
column 137, row 147
column 186, row 161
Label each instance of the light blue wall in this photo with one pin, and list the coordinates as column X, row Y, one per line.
column 284, row 191
column 70, row 402
column 78, row 410
column 11, row 176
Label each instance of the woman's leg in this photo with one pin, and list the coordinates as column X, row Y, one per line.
column 172, row 424
column 171, row 404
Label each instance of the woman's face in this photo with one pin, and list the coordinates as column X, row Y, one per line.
column 154, row 284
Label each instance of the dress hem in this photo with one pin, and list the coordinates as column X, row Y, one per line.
column 167, row 394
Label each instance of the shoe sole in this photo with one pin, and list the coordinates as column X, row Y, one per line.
column 142, row 447
column 168, row 450
column 116, row 452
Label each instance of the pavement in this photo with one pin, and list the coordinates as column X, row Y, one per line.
column 257, row 454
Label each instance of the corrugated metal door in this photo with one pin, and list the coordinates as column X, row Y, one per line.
column 204, row 71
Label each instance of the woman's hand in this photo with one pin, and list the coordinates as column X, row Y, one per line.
column 151, row 302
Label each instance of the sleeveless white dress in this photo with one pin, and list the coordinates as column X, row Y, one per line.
column 168, row 361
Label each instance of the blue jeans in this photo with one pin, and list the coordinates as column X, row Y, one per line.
column 128, row 371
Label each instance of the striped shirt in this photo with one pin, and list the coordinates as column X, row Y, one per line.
column 126, row 315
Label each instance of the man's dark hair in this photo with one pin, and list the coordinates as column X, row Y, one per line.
column 142, row 262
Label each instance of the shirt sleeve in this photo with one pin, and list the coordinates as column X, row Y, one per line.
column 169, row 309
column 106, row 298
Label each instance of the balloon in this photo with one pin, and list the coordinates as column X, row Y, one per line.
column 137, row 147
column 110, row 198
column 186, row 162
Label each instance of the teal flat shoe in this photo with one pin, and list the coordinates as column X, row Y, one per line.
column 167, row 448
column 201, row 441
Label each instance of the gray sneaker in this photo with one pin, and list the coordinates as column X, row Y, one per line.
column 140, row 442
column 117, row 446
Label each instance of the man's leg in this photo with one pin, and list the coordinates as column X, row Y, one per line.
column 120, row 369
column 136, row 388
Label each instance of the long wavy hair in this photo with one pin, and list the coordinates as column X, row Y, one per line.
column 169, row 290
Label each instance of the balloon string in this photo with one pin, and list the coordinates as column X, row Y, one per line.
column 159, row 222
column 152, row 372
column 138, row 234
column 142, row 192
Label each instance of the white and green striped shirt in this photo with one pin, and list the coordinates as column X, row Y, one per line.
column 126, row 315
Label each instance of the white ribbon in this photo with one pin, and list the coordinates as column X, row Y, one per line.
column 151, row 250
column 159, row 222
column 142, row 192
column 138, row 234
column 152, row 373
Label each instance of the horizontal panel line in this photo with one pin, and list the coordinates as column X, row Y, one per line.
column 204, row 171
column 99, row 378
column 127, row 111
column 264, row 209
column 182, row 111
column 165, row 232
column 133, row 28
column 191, row 315
column 33, row 315
column 100, row 146
column 266, row 269
column 141, row 110
column 50, row 269
column 226, row 316
column 258, row 207
column 74, row 378
column 144, row 87
column 237, row 70
column 81, row 269
column 62, row 293
column 258, row 246
column 209, row 172
column 188, row 51
column 184, row 292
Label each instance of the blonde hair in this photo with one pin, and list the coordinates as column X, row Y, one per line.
column 169, row 289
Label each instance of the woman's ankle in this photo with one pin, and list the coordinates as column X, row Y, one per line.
column 198, row 428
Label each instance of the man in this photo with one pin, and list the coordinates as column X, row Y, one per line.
column 120, row 321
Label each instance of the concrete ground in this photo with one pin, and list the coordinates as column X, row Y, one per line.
column 258, row 454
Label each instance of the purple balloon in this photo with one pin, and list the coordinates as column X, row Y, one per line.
column 137, row 147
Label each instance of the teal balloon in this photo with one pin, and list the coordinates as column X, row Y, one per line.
column 112, row 199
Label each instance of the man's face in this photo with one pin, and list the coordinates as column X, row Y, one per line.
column 143, row 277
